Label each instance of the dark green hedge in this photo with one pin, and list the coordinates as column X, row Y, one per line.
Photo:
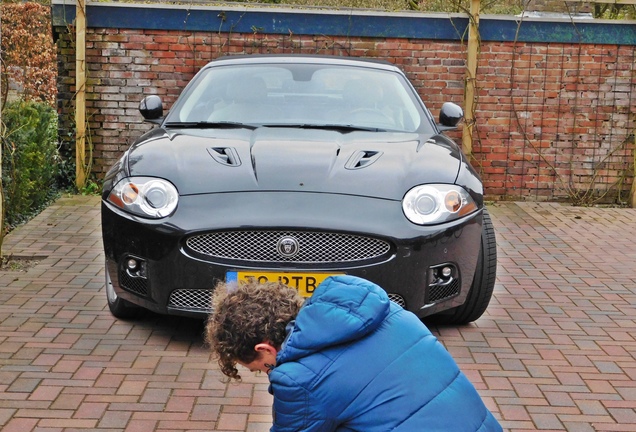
column 30, row 159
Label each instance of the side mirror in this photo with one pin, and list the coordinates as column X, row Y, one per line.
column 450, row 115
column 151, row 108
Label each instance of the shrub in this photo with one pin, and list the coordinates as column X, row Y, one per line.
column 29, row 159
column 28, row 52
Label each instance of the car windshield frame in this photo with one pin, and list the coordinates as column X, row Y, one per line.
column 302, row 95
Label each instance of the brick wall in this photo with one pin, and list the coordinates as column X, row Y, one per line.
column 557, row 117
column 555, row 121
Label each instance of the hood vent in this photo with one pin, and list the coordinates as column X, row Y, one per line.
column 422, row 144
column 362, row 159
column 225, row 155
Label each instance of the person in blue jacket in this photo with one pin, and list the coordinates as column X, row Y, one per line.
column 348, row 359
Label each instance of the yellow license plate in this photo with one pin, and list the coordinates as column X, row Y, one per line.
column 305, row 283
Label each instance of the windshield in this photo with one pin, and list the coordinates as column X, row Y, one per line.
column 305, row 95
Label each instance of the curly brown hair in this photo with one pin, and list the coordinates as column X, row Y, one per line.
column 245, row 315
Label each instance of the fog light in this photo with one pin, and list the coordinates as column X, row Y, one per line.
column 447, row 272
column 132, row 264
column 135, row 267
column 443, row 274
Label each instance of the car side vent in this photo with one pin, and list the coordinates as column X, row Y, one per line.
column 362, row 159
column 225, row 155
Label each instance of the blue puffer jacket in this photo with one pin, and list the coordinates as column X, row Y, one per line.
column 354, row 361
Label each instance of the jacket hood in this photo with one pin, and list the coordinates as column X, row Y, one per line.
column 342, row 309
column 294, row 160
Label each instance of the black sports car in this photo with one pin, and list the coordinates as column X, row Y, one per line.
column 295, row 168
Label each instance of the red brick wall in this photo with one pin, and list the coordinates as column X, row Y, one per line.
column 554, row 121
column 557, row 120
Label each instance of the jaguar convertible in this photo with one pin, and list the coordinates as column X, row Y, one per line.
column 292, row 168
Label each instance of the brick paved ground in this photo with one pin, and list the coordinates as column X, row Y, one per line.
column 555, row 351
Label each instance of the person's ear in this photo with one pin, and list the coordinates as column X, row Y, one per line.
column 265, row 348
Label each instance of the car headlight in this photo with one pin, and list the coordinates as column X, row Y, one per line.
column 437, row 203
column 145, row 196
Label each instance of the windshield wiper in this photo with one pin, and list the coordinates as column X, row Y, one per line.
column 344, row 128
column 210, row 125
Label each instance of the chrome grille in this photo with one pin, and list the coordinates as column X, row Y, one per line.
column 191, row 300
column 313, row 247
column 397, row 299
column 199, row 300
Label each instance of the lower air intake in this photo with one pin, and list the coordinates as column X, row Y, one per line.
column 191, row 300
column 397, row 299
column 437, row 293
column 137, row 285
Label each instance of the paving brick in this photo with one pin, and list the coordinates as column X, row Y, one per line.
column 114, row 420
column 235, row 422
column 19, row 425
column 555, row 350
column 45, row 393
column 90, row 410
column 547, row 421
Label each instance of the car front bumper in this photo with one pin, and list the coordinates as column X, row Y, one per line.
column 168, row 268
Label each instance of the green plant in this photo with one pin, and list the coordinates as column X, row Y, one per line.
column 29, row 159
column 614, row 11
column 91, row 188
column 457, row 6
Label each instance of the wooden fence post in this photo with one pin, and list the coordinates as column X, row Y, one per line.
column 471, row 74
column 80, row 94
column 632, row 202
column 1, row 145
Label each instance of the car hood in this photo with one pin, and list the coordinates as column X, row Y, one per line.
column 378, row 164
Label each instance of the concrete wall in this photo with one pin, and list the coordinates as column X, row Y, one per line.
column 556, row 107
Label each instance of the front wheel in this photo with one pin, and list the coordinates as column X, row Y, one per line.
column 119, row 307
column 483, row 282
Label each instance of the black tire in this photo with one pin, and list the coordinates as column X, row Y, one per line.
column 120, row 308
column 483, row 283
